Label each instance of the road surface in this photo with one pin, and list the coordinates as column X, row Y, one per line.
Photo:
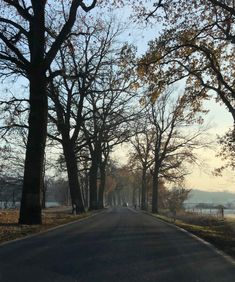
column 118, row 245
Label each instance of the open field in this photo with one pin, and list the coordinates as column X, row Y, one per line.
column 10, row 229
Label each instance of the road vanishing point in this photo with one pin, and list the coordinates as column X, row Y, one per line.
column 117, row 245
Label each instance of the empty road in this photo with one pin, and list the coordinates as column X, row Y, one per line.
column 118, row 245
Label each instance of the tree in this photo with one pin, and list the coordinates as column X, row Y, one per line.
column 197, row 43
column 83, row 59
column 122, row 194
column 110, row 125
column 175, row 199
column 10, row 174
column 82, row 99
column 109, row 116
column 174, row 145
column 227, row 151
column 111, row 182
column 196, row 46
column 142, row 156
column 24, row 51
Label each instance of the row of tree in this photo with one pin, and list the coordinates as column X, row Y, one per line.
column 81, row 84
column 171, row 132
column 32, row 32
column 88, row 102
column 125, row 188
column 196, row 46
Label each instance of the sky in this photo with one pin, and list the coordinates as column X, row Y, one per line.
column 202, row 177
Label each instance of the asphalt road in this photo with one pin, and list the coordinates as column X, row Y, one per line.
column 118, row 245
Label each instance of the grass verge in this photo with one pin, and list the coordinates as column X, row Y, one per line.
column 10, row 229
column 220, row 233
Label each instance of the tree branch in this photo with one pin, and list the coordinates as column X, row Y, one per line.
column 21, row 10
column 15, row 50
column 66, row 29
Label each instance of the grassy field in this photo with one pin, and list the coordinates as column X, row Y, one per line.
column 10, row 229
column 220, row 233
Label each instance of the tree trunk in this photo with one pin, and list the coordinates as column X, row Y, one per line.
column 44, row 189
column 102, row 185
column 93, row 173
column 143, row 190
column 147, row 197
column 86, row 189
column 72, row 170
column 30, row 211
column 155, row 190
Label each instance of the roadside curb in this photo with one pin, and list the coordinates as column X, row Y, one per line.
column 204, row 242
column 51, row 229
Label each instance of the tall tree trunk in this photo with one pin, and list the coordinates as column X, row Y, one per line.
column 143, row 190
column 74, row 185
column 102, row 185
column 30, row 210
column 93, row 173
column 155, row 189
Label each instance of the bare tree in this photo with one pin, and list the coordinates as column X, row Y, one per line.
column 24, row 51
column 85, row 61
column 142, row 157
column 112, row 113
column 174, row 143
